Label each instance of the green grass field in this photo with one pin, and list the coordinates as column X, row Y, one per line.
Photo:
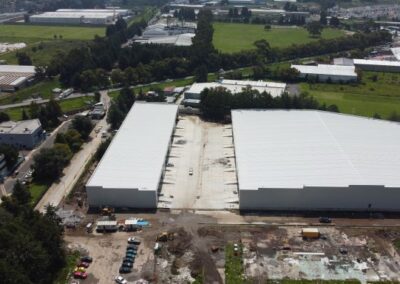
column 42, row 46
column 21, row 33
column 371, row 96
column 37, row 191
column 43, row 89
column 67, row 105
column 229, row 37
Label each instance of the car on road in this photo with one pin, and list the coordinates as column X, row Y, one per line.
column 131, row 250
column 128, row 259
column 134, row 241
column 84, row 264
column 80, row 269
column 135, row 247
column 191, row 171
column 130, row 254
column 86, row 259
column 127, row 264
column 124, row 269
column 80, row 275
column 325, row 220
column 120, row 280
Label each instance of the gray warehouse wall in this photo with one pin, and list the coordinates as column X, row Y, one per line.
column 118, row 197
column 353, row 198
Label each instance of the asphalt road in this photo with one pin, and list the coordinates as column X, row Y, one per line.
column 25, row 166
column 58, row 191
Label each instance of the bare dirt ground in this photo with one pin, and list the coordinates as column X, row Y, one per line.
column 272, row 248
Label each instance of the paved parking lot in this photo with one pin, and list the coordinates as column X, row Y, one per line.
column 200, row 170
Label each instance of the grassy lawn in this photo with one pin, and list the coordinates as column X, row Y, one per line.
column 42, row 39
column 21, row 33
column 37, row 191
column 42, row 52
column 233, row 266
column 70, row 105
column 44, row 89
column 230, row 37
column 371, row 96
column 67, row 105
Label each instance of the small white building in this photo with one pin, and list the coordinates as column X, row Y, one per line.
column 326, row 72
column 131, row 170
column 14, row 77
column 315, row 160
column 193, row 94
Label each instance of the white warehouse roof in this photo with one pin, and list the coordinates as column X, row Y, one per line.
column 376, row 62
column 237, row 86
column 306, row 148
column 137, row 153
column 17, row 69
column 326, row 69
column 396, row 52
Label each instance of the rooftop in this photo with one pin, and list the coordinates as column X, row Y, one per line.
column 326, row 69
column 237, row 86
column 17, row 69
column 19, row 127
column 137, row 153
column 376, row 62
column 298, row 148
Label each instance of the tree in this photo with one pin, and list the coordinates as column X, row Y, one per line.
column 10, row 154
column 314, row 29
column 4, row 117
column 49, row 163
column 23, row 58
column 377, row 116
column 83, row 125
column 73, row 140
column 24, row 115
column 115, row 116
column 215, row 103
column 335, row 22
column 323, row 20
column 267, row 27
column 40, row 73
column 21, row 194
column 201, row 74
column 34, row 109
column 97, row 96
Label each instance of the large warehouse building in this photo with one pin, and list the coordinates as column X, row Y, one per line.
column 193, row 94
column 314, row 160
column 79, row 16
column 14, row 77
column 131, row 170
column 326, row 72
column 377, row 65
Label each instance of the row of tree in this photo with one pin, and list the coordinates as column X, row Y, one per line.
column 49, row 163
column 31, row 249
column 216, row 103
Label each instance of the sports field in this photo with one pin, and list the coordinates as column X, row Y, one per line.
column 377, row 93
column 236, row 37
column 31, row 33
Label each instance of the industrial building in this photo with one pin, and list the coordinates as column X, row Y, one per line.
column 193, row 94
column 326, row 72
column 377, row 65
column 25, row 134
column 14, row 77
column 80, row 16
column 396, row 52
column 315, row 160
column 177, row 40
column 131, row 170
